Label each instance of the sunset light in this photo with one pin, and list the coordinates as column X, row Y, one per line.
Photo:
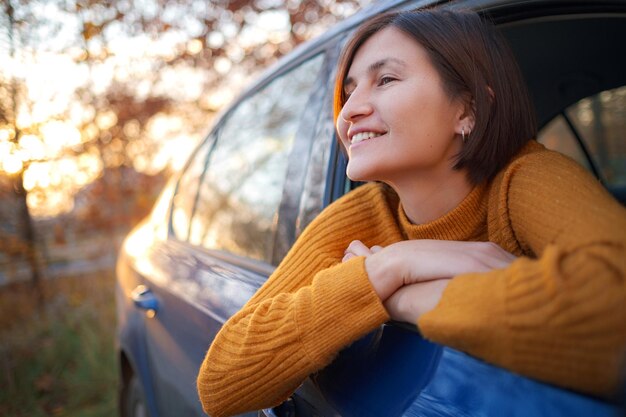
column 12, row 164
column 94, row 88
column 59, row 138
column 101, row 105
column 182, row 234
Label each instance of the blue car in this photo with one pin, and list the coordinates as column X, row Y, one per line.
column 272, row 162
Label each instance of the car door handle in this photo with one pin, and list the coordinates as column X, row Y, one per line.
column 286, row 409
column 144, row 298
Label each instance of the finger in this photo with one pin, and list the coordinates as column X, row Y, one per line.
column 357, row 248
column 347, row 257
column 376, row 248
column 411, row 301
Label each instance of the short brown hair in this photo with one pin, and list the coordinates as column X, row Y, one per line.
column 476, row 64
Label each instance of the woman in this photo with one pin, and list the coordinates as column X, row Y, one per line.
column 487, row 241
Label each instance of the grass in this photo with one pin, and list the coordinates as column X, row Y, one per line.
column 59, row 359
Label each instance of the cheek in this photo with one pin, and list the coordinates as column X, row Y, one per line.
column 423, row 118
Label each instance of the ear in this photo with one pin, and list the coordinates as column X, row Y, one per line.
column 464, row 119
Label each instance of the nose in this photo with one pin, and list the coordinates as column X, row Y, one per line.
column 357, row 106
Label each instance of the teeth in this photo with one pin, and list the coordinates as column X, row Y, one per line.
column 360, row 137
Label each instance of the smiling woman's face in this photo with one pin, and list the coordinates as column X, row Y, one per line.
column 397, row 122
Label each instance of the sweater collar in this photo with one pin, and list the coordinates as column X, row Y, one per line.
column 467, row 221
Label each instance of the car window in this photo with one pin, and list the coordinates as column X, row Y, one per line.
column 599, row 121
column 241, row 191
column 313, row 198
column 557, row 135
column 186, row 192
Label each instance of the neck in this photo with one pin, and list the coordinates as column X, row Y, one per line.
column 425, row 199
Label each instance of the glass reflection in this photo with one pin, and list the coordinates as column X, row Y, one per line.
column 182, row 207
column 601, row 121
column 242, row 188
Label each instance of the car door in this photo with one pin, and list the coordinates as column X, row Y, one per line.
column 223, row 232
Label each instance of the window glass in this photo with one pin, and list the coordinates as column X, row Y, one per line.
column 242, row 188
column 313, row 192
column 558, row 136
column 182, row 206
column 601, row 121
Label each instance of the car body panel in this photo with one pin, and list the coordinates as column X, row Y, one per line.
column 195, row 293
column 369, row 380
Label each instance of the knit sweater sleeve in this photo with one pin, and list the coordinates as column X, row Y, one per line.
column 559, row 314
column 311, row 307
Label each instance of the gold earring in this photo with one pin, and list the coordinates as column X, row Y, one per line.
column 463, row 134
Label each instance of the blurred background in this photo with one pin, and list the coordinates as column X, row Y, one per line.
column 100, row 102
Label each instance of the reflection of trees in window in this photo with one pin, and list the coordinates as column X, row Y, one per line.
column 311, row 200
column 186, row 193
column 601, row 121
column 242, row 188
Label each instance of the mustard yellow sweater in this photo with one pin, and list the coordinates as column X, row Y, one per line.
column 558, row 313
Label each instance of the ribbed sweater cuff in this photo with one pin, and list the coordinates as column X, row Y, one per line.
column 345, row 285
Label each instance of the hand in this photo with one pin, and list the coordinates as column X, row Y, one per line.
column 412, row 261
column 425, row 260
column 411, row 301
column 358, row 248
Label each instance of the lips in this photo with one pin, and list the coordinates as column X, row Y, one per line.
column 361, row 136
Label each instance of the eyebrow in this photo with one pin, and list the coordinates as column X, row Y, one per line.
column 375, row 67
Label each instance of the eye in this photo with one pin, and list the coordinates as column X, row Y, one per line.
column 386, row 79
column 347, row 91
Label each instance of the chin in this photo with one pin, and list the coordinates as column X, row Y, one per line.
column 358, row 174
column 353, row 176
